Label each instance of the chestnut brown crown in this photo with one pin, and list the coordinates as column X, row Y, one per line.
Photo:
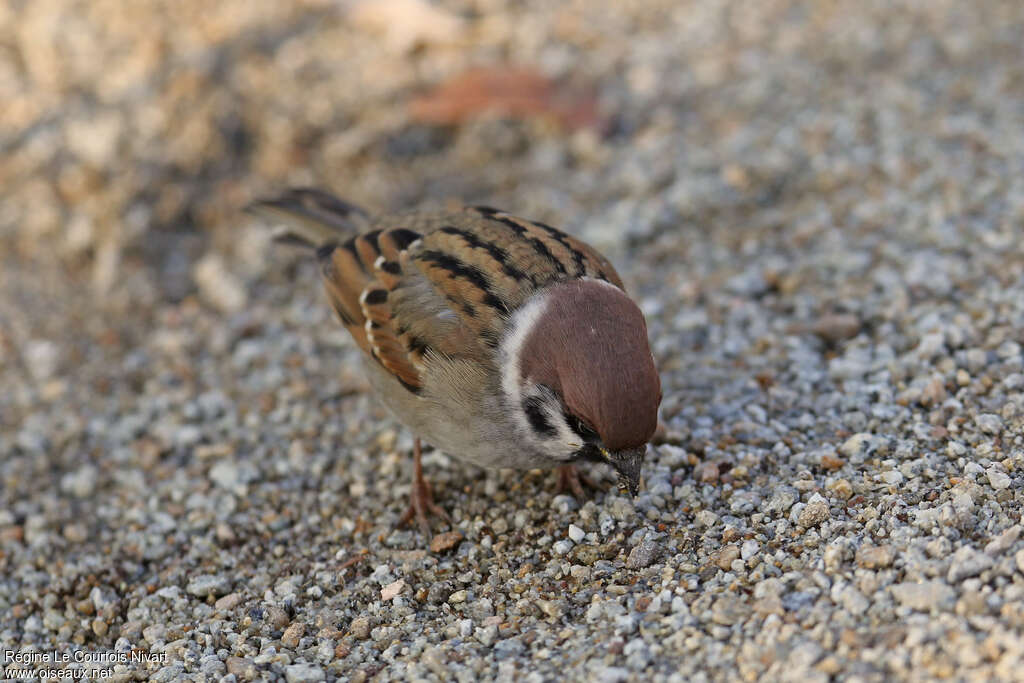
column 590, row 347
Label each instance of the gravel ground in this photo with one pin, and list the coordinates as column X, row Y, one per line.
column 818, row 206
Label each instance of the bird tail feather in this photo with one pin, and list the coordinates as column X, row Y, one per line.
column 311, row 218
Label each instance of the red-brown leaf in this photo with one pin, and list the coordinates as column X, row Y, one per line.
column 513, row 92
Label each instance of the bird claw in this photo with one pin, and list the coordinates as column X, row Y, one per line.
column 421, row 498
column 570, row 478
column 421, row 506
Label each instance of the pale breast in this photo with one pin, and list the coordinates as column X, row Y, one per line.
column 459, row 413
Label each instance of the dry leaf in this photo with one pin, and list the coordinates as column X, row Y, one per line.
column 514, row 92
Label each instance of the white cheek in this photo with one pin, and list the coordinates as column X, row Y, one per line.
column 564, row 443
column 520, row 327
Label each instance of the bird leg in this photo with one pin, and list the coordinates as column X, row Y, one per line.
column 421, row 499
column 570, row 478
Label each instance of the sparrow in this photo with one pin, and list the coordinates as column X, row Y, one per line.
column 504, row 342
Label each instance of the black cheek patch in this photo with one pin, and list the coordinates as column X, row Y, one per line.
column 582, row 429
column 534, row 410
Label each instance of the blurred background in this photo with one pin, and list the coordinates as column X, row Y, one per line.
column 132, row 134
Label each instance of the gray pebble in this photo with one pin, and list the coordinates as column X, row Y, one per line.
column 642, row 555
column 303, row 673
column 989, row 423
column 562, row 547
column 209, row 584
column 611, row 674
column 998, row 479
column 924, row 596
column 967, row 562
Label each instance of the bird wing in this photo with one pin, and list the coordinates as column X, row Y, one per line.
column 487, row 263
column 435, row 283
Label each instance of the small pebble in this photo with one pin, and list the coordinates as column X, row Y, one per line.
column 391, row 590
column 727, row 556
column 814, row 513
column 892, row 477
column 360, row 628
column 208, row 584
column 276, row 617
column 875, row 556
column 242, row 668
column 303, row 673
column 967, row 562
column 292, row 634
column 999, row 480
column 562, row 547
column 228, row 602
column 445, row 541
column 924, row 596
column 642, row 555
column 989, row 423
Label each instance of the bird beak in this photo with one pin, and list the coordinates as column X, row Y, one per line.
column 627, row 463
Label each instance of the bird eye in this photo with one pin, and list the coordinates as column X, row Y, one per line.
column 586, row 432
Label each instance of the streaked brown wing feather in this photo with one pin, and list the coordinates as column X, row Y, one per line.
column 446, row 283
column 358, row 283
column 487, row 263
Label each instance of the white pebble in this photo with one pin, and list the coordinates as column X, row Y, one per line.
column 998, row 479
column 562, row 547
column 989, row 423
column 892, row 477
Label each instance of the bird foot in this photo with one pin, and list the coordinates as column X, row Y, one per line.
column 421, row 506
column 421, row 498
column 571, row 479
